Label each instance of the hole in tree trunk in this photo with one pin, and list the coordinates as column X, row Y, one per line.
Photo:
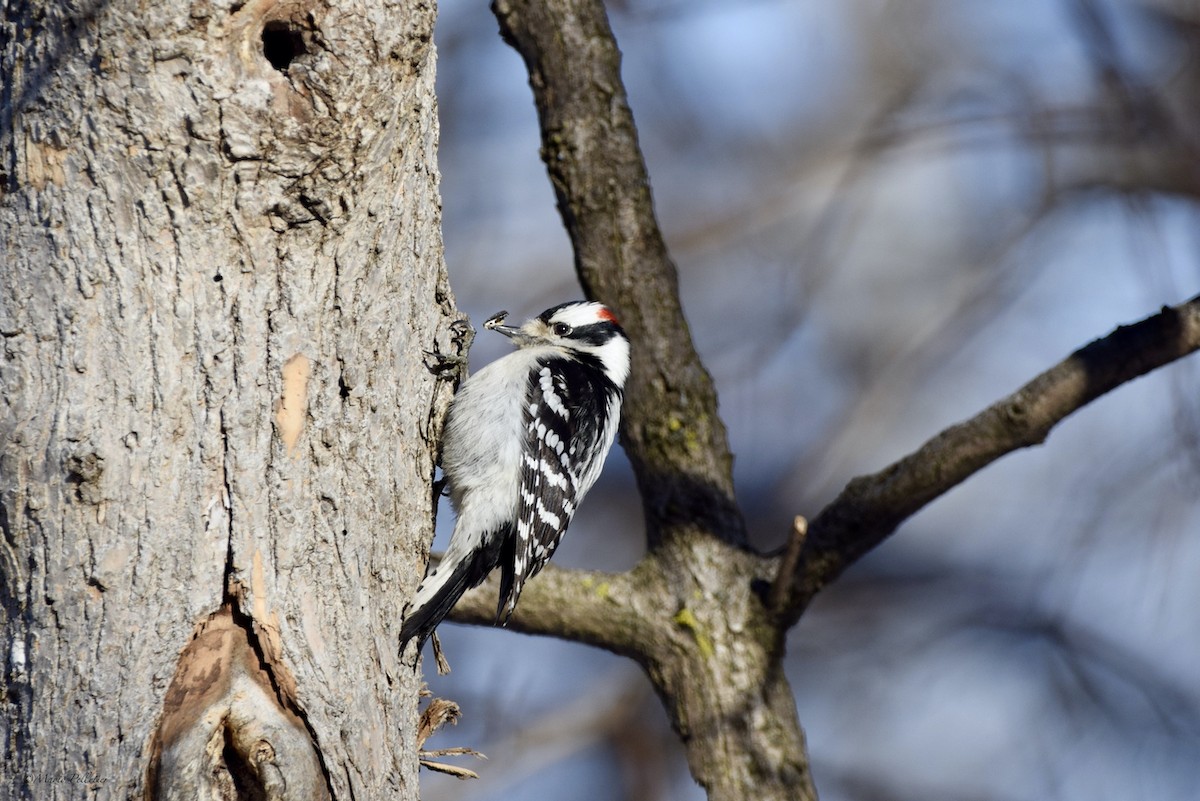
column 282, row 44
column 245, row 781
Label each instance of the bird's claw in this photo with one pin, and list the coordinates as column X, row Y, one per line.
column 462, row 335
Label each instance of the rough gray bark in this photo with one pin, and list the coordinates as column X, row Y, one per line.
column 222, row 266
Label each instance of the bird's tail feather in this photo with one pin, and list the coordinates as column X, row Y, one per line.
column 445, row 584
column 434, row 600
column 508, row 599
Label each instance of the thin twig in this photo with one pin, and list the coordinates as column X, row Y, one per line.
column 781, row 586
column 443, row 664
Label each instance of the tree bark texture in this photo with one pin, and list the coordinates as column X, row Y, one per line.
column 222, row 268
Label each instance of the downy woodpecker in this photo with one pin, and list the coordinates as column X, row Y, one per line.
column 525, row 439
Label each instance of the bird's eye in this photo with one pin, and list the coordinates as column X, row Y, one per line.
column 561, row 329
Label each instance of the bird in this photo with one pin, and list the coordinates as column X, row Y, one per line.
column 525, row 439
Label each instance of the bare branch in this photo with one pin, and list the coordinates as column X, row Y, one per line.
column 671, row 430
column 601, row 609
column 871, row 507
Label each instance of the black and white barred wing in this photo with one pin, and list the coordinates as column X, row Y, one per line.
column 559, row 465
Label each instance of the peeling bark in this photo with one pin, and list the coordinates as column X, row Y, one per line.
column 230, row 728
column 222, row 268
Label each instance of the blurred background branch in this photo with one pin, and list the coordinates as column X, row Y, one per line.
column 872, row 507
column 885, row 216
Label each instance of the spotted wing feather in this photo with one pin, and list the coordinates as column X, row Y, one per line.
column 562, row 431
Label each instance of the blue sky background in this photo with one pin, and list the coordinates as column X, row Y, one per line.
column 885, row 216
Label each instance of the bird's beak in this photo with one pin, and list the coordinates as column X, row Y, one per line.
column 495, row 323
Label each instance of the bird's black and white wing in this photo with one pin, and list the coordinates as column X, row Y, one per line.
column 569, row 425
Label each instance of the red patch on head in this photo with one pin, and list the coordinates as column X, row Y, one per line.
column 606, row 314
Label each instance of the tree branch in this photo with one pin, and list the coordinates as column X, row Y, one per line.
column 871, row 507
column 687, row 613
column 601, row 609
column 670, row 427
column 693, row 612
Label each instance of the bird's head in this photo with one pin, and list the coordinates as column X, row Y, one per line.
column 583, row 329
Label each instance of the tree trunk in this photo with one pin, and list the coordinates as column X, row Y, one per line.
column 222, row 268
